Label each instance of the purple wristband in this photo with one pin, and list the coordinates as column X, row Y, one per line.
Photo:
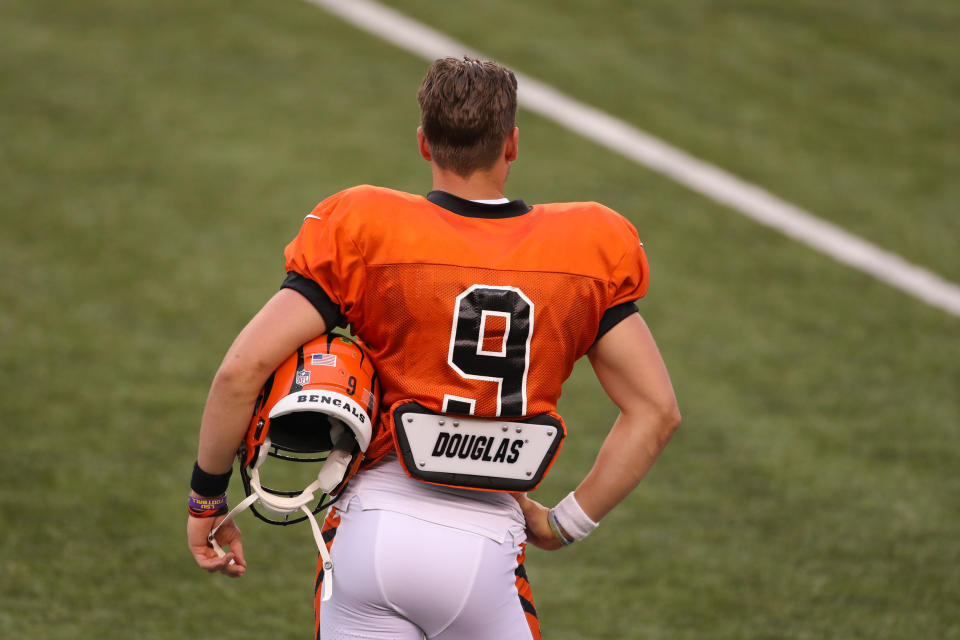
column 200, row 507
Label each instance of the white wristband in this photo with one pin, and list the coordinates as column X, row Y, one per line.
column 572, row 519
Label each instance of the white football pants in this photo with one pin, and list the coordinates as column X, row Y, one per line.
column 399, row 578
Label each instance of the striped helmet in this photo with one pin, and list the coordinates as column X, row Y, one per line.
column 320, row 406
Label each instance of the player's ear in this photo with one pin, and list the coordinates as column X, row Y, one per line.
column 512, row 147
column 423, row 145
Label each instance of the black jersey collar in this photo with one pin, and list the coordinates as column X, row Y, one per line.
column 473, row 209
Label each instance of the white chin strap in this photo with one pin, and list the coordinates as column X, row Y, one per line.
column 330, row 475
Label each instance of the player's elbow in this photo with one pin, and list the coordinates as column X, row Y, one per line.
column 660, row 417
column 671, row 419
column 667, row 419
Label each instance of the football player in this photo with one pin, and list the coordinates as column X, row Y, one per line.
column 474, row 308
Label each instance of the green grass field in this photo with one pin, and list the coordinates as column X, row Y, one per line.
column 156, row 157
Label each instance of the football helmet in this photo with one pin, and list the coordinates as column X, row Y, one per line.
column 320, row 406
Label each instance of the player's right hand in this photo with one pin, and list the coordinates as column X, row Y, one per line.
column 230, row 564
column 539, row 533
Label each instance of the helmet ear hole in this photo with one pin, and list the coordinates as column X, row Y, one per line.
column 301, row 432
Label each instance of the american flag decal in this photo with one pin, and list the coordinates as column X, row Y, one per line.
column 323, row 360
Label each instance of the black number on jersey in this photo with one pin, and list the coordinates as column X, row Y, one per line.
column 509, row 363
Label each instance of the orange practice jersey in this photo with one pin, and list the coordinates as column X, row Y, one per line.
column 467, row 308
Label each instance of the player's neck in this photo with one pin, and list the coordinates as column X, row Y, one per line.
column 479, row 185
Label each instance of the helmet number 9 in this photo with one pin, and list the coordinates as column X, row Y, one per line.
column 490, row 340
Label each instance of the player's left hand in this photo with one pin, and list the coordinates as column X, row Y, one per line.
column 232, row 563
column 539, row 532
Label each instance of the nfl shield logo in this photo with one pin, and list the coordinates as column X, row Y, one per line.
column 303, row 377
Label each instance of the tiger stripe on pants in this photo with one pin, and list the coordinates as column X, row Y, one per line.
column 526, row 594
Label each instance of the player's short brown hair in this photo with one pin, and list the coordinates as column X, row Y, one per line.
column 468, row 107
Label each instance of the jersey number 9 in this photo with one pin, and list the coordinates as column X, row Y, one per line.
column 505, row 361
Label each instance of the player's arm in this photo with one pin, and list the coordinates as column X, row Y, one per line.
column 285, row 322
column 631, row 371
column 629, row 367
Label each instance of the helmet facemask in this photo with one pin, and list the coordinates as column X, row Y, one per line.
column 325, row 452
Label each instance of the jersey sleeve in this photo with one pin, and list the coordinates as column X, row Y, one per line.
column 631, row 276
column 323, row 261
column 628, row 282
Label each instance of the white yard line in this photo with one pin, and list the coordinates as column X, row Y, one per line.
column 653, row 153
